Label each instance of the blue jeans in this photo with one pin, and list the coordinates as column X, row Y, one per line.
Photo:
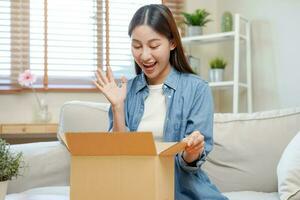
column 194, row 186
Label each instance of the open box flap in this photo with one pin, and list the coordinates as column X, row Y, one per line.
column 106, row 143
column 63, row 138
column 169, row 148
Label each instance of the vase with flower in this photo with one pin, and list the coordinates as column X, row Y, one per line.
column 27, row 79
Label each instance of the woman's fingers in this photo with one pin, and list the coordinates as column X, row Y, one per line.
column 109, row 74
column 123, row 81
column 102, row 77
column 195, row 142
column 198, row 140
column 194, row 139
column 195, row 152
column 99, row 80
column 195, row 148
column 98, row 85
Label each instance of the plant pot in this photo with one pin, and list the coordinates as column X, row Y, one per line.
column 3, row 189
column 216, row 75
column 194, row 30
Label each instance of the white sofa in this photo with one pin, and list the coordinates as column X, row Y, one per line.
column 242, row 164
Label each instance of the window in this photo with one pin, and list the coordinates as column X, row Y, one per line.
column 64, row 41
column 5, row 56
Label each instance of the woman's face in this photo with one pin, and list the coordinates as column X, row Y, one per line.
column 151, row 52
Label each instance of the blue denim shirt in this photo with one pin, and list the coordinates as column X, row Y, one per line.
column 189, row 108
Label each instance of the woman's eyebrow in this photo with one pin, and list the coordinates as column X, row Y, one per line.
column 135, row 40
column 152, row 40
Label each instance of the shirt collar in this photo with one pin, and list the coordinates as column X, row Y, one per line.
column 171, row 80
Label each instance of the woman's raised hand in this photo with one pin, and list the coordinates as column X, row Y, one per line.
column 105, row 82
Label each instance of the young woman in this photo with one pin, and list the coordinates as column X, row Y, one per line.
column 166, row 98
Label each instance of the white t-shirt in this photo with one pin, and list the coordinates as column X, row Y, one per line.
column 154, row 113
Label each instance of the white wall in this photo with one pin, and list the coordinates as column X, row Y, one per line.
column 22, row 108
column 275, row 38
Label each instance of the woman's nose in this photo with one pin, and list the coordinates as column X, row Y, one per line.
column 146, row 54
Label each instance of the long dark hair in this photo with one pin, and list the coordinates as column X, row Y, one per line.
column 161, row 20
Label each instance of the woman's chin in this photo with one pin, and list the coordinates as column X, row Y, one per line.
column 151, row 76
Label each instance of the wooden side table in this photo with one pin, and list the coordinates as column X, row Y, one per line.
column 25, row 133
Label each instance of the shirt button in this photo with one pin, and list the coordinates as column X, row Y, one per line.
column 169, row 96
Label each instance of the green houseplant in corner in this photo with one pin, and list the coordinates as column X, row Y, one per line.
column 196, row 21
column 10, row 165
column 216, row 72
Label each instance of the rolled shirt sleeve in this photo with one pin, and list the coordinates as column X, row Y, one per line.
column 200, row 119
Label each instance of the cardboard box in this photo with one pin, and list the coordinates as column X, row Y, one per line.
column 121, row 166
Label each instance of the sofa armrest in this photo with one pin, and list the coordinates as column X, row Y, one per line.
column 46, row 164
column 74, row 115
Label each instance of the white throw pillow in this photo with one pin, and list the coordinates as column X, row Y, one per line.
column 288, row 171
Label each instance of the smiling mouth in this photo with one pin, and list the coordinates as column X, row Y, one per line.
column 149, row 65
column 149, row 68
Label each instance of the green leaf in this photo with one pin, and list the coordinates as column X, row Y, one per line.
column 217, row 63
column 10, row 163
column 197, row 18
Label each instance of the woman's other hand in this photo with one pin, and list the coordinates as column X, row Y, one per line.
column 105, row 82
column 194, row 148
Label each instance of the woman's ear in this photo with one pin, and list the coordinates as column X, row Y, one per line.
column 172, row 45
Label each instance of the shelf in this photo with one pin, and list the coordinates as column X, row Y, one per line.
column 240, row 40
column 216, row 37
column 225, row 84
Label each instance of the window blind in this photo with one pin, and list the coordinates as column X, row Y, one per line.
column 5, row 55
column 14, row 35
column 177, row 7
column 70, row 41
column 63, row 42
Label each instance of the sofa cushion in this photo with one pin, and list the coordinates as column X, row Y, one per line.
column 247, row 148
column 250, row 195
column 43, row 193
column 288, row 171
column 46, row 164
column 63, row 193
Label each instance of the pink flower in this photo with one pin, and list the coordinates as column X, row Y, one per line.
column 26, row 78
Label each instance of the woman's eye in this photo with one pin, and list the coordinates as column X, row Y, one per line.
column 154, row 47
column 136, row 47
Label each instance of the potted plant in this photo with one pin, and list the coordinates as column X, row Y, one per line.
column 217, row 66
column 10, row 165
column 196, row 21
